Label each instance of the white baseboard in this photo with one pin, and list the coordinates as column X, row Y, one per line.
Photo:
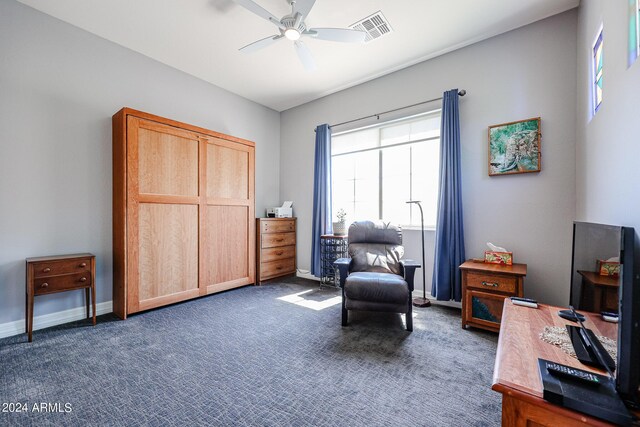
column 17, row 327
column 306, row 275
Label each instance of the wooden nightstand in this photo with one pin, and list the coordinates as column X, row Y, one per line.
column 52, row 274
column 484, row 288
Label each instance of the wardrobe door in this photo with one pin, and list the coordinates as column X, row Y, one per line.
column 163, row 195
column 228, row 223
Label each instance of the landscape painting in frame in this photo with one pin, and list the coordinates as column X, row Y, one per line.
column 514, row 147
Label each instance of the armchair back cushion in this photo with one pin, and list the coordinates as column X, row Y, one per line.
column 375, row 246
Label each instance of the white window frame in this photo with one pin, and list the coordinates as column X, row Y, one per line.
column 410, row 118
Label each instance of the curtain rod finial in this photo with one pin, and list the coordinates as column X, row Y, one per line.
column 462, row 92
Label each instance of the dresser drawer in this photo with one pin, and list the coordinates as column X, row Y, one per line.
column 46, row 285
column 277, row 268
column 280, row 226
column 277, row 253
column 54, row 268
column 278, row 239
column 491, row 282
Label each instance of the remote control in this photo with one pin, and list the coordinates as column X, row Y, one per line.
column 523, row 299
column 526, row 304
column 610, row 317
column 557, row 369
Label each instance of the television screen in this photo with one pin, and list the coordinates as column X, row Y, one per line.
column 603, row 279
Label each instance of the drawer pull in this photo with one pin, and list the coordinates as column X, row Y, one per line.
column 84, row 264
column 44, row 285
column 495, row 285
column 279, row 240
column 83, row 279
column 279, row 253
column 279, row 268
column 46, row 270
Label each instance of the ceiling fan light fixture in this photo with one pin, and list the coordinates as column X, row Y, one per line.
column 292, row 34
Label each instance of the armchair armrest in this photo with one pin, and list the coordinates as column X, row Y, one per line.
column 409, row 267
column 343, row 265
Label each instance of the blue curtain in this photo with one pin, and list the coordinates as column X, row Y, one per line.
column 321, row 195
column 446, row 284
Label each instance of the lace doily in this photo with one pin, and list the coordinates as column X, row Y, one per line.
column 560, row 338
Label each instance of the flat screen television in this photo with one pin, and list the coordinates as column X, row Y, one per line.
column 605, row 254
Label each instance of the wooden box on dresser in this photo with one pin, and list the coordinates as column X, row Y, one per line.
column 484, row 288
column 275, row 247
column 183, row 212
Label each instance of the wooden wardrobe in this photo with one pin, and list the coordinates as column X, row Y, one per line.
column 183, row 212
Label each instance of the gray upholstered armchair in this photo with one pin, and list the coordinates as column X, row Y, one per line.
column 375, row 278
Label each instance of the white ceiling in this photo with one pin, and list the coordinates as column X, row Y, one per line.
column 202, row 38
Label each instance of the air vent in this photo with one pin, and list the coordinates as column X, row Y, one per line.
column 375, row 26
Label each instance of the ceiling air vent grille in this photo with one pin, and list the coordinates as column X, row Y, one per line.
column 375, row 26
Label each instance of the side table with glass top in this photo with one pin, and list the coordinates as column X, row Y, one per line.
column 331, row 248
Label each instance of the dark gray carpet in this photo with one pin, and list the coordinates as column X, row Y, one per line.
column 244, row 357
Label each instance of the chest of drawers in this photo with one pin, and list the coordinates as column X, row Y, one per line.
column 51, row 274
column 275, row 248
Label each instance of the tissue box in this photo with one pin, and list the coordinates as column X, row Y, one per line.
column 609, row 268
column 504, row 258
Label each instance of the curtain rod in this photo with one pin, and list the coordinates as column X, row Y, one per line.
column 460, row 93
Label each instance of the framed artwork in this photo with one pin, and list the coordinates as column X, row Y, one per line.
column 514, row 147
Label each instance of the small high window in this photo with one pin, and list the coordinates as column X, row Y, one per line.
column 597, row 72
column 638, row 27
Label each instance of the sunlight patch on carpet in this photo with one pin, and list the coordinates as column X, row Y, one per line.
column 298, row 299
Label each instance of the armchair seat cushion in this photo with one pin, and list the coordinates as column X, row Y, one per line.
column 377, row 288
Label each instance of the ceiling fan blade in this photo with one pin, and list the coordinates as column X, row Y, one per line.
column 260, row 11
column 260, row 44
column 305, row 55
column 303, row 7
column 337, row 34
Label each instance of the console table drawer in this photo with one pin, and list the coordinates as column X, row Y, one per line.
column 278, row 239
column 54, row 268
column 491, row 282
column 47, row 285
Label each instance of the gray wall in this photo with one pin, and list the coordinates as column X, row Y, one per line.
column 59, row 87
column 607, row 146
column 525, row 73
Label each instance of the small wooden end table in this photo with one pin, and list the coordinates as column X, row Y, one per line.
column 484, row 289
column 61, row 273
column 599, row 293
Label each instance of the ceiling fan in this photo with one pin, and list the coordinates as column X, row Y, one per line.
column 292, row 27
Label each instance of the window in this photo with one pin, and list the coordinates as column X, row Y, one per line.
column 376, row 170
column 597, row 72
column 637, row 27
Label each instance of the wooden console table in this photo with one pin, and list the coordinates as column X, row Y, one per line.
column 52, row 274
column 516, row 373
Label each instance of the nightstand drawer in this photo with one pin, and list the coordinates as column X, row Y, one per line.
column 54, row 268
column 491, row 282
column 277, row 268
column 279, row 226
column 46, row 285
column 273, row 254
column 278, row 239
